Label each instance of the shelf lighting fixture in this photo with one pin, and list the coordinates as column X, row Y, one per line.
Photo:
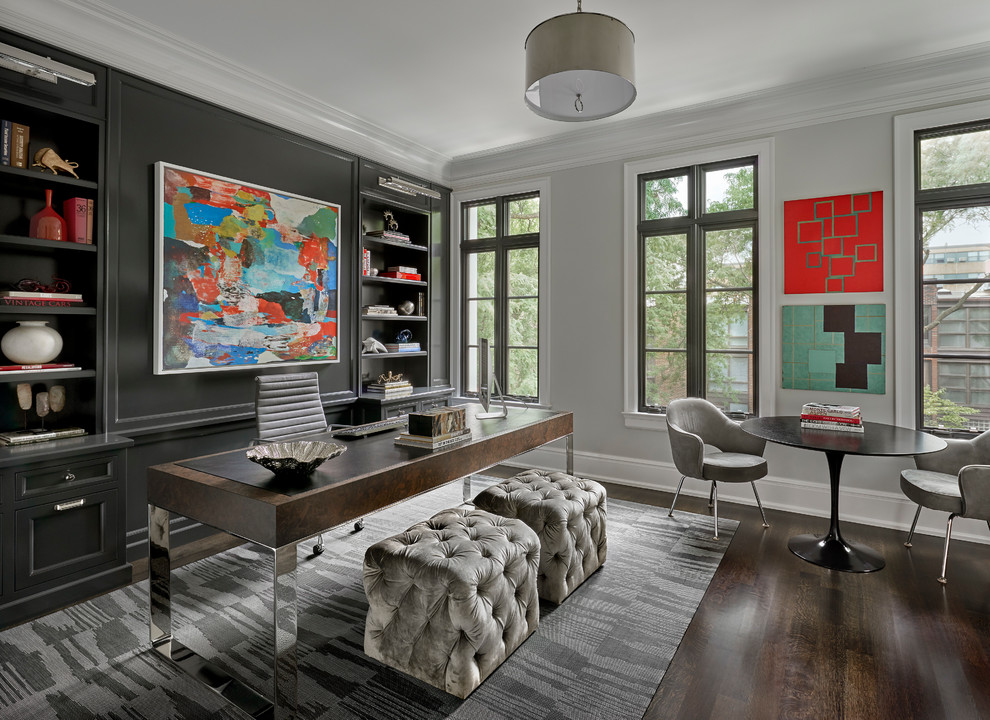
column 404, row 186
column 42, row 68
column 580, row 66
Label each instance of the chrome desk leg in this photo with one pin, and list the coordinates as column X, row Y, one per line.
column 569, row 450
column 466, row 490
column 285, row 663
column 253, row 703
column 160, row 577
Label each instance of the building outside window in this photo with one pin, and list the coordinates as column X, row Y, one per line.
column 697, row 285
column 500, row 291
column 952, row 206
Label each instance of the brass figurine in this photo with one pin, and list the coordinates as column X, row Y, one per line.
column 48, row 159
column 390, row 224
column 383, row 378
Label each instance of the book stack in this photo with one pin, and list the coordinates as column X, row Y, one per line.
column 402, row 347
column 30, row 298
column 435, row 429
column 824, row 416
column 43, row 367
column 390, row 235
column 379, row 310
column 23, row 437
column 396, row 275
column 365, row 261
column 388, row 390
column 14, row 141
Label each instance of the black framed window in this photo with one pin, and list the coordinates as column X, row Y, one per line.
column 952, row 221
column 500, row 271
column 697, row 236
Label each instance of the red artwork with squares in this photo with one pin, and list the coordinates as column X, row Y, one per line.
column 834, row 244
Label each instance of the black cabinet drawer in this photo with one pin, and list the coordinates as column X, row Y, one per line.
column 56, row 539
column 431, row 403
column 38, row 481
column 392, row 411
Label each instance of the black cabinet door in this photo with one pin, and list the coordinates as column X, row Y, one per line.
column 55, row 539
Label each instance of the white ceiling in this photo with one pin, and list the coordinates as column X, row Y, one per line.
column 442, row 79
column 448, row 74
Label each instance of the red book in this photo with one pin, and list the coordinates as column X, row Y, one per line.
column 831, row 418
column 75, row 211
column 401, row 275
column 43, row 366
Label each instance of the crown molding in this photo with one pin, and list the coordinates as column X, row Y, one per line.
column 98, row 31
column 936, row 79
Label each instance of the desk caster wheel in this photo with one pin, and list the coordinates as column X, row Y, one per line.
column 318, row 548
column 359, row 525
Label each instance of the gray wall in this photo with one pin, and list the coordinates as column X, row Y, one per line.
column 587, row 338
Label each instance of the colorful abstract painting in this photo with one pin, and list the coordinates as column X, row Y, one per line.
column 834, row 244
column 834, row 347
column 246, row 275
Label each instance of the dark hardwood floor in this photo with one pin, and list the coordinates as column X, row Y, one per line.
column 777, row 637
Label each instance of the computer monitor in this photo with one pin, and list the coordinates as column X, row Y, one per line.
column 485, row 382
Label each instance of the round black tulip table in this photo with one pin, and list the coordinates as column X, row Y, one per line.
column 831, row 550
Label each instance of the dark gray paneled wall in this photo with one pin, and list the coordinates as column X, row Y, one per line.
column 175, row 416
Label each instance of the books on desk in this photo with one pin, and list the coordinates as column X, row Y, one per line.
column 824, row 416
column 433, row 443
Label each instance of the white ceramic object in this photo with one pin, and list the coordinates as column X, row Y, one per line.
column 32, row 342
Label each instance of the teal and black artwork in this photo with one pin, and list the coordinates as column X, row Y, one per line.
column 834, row 347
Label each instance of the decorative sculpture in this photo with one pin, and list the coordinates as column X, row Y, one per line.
column 25, row 399
column 373, row 346
column 57, row 285
column 390, row 224
column 48, row 159
column 406, row 307
column 389, row 378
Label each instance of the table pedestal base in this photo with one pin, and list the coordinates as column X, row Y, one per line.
column 832, row 552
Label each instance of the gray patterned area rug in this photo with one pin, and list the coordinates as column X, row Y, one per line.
column 601, row 654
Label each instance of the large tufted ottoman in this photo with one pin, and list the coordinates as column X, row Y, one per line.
column 568, row 515
column 452, row 597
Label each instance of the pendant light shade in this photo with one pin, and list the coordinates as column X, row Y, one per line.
column 579, row 67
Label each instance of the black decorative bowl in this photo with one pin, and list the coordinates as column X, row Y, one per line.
column 294, row 458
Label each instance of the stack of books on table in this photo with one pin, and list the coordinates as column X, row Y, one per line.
column 435, row 429
column 823, row 416
column 388, row 390
column 379, row 310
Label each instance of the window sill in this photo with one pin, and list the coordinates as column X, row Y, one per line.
column 645, row 421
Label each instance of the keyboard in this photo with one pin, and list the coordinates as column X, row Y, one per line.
column 359, row 431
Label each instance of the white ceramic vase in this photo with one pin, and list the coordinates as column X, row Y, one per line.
column 32, row 342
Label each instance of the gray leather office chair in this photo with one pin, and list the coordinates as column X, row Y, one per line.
column 954, row 480
column 707, row 445
column 288, row 407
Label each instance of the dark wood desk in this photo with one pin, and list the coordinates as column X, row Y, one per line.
column 831, row 550
column 228, row 492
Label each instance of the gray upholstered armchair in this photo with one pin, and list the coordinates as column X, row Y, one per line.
column 955, row 480
column 707, row 445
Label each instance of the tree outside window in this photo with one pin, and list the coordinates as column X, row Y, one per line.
column 952, row 202
column 500, row 253
column 697, row 243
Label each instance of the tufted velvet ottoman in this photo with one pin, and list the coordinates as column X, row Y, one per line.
column 568, row 515
column 452, row 597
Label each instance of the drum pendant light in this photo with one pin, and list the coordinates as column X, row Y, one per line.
column 580, row 66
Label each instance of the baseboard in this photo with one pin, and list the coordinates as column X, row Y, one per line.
column 869, row 507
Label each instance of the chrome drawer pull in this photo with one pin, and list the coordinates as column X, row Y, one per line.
column 71, row 505
column 69, row 477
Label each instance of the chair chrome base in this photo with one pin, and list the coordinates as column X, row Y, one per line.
column 713, row 503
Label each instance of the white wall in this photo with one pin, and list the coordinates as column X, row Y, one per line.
column 587, row 340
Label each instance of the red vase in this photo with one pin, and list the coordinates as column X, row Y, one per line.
column 48, row 224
